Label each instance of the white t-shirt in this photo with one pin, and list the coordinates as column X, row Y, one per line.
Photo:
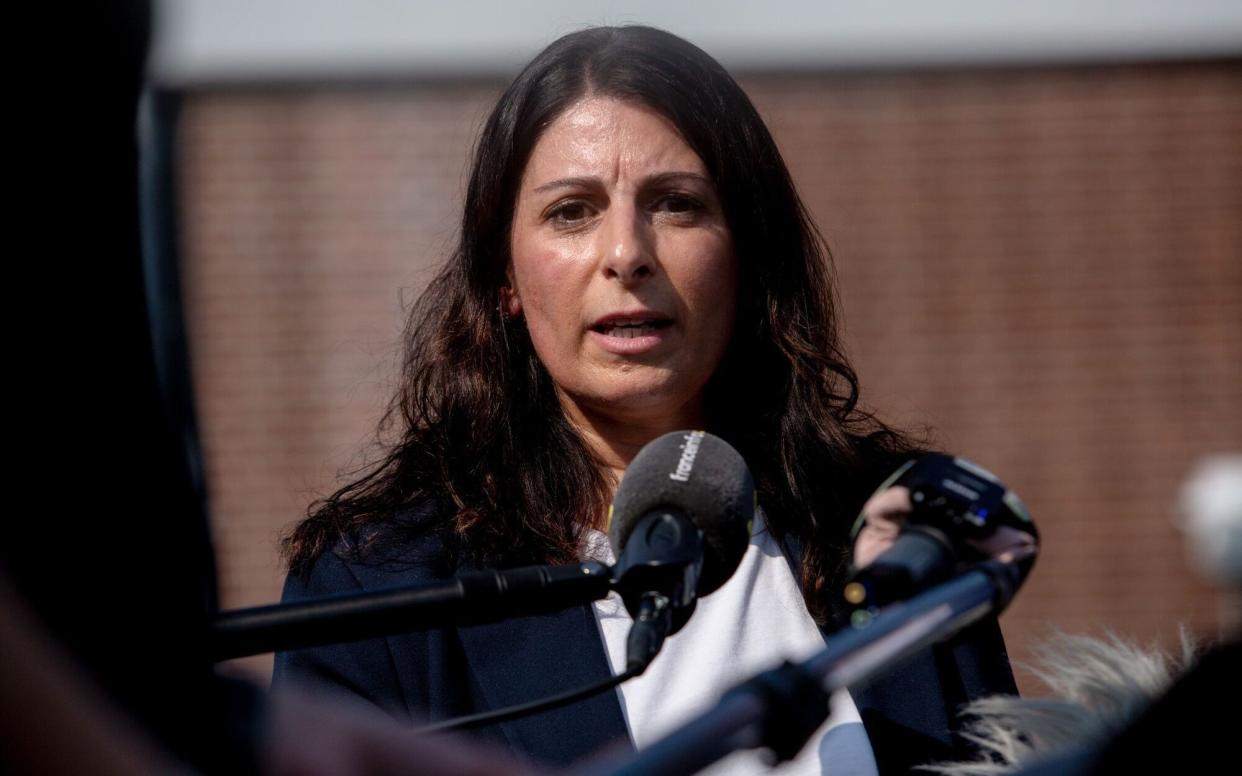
column 753, row 622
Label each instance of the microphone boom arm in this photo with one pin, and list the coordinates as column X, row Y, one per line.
column 468, row 599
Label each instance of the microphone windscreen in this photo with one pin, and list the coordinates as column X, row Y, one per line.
column 703, row 477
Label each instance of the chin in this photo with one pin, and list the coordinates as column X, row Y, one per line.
column 644, row 400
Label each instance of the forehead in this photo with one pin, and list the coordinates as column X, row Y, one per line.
column 608, row 138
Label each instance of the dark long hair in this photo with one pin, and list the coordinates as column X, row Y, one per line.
column 480, row 429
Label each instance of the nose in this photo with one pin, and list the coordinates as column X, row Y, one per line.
column 626, row 245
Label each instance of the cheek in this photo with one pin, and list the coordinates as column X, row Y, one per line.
column 528, row 263
column 547, row 304
column 547, row 336
column 711, row 287
column 541, row 298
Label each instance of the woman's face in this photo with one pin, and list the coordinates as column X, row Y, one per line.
column 622, row 264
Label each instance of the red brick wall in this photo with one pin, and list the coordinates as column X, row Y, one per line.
column 1043, row 265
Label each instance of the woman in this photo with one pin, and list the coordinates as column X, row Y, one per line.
column 633, row 260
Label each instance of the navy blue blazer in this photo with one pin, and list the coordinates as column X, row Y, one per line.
column 909, row 713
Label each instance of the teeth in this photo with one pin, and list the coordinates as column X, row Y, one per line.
column 630, row 330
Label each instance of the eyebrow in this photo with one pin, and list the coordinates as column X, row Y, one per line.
column 663, row 178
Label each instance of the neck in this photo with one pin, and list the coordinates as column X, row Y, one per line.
column 615, row 439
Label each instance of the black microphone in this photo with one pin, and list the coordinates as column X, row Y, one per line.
column 679, row 526
column 953, row 502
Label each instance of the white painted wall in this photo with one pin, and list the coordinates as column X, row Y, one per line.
column 213, row 40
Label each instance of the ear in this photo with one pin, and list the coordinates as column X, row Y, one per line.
column 510, row 302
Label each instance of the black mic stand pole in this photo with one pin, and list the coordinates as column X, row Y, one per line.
column 467, row 599
column 780, row 709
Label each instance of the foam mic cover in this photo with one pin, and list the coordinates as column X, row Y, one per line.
column 704, row 478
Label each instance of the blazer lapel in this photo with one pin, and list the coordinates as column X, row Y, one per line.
column 525, row 659
column 904, row 713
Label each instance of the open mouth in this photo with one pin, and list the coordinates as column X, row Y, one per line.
column 629, row 328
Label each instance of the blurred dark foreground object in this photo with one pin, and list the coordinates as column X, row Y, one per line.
column 110, row 550
column 1115, row 708
column 107, row 580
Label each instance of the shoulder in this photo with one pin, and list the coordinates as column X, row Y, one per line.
column 409, row 548
column 389, row 672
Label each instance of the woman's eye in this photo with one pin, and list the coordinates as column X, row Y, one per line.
column 678, row 204
column 570, row 213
